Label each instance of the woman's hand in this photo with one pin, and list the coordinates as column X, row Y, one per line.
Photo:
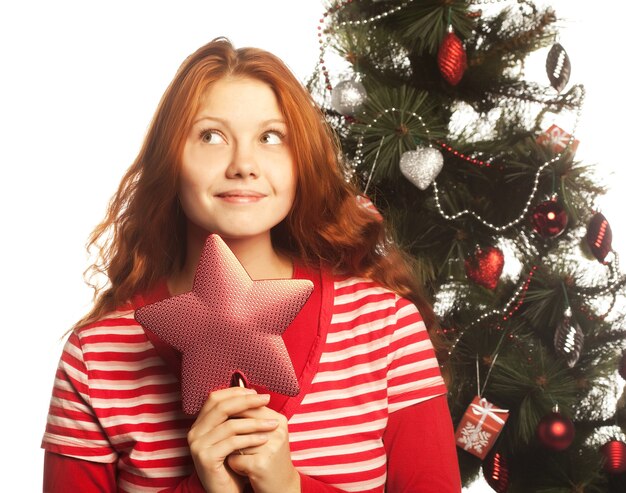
column 214, row 436
column 268, row 466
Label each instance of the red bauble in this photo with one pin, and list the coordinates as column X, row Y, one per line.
column 614, row 455
column 555, row 431
column 452, row 59
column 549, row 219
column 496, row 472
column 485, row 267
column 599, row 236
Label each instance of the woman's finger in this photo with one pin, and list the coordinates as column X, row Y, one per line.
column 239, row 426
column 219, row 409
column 222, row 395
column 232, row 445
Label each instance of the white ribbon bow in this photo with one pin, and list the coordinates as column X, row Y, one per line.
column 485, row 408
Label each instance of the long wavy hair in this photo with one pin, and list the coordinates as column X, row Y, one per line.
column 143, row 235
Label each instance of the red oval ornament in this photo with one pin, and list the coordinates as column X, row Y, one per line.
column 452, row 59
column 369, row 206
column 614, row 455
column 496, row 472
column 599, row 236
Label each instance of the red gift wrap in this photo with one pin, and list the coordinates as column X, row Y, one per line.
column 480, row 427
column 557, row 139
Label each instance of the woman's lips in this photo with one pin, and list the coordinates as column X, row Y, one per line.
column 241, row 196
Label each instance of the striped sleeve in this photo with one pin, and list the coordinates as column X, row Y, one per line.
column 413, row 371
column 72, row 428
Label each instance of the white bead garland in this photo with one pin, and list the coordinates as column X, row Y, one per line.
column 615, row 278
column 375, row 18
column 499, row 312
column 486, row 2
column 614, row 281
column 517, row 220
column 358, row 156
column 359, row 147
column 451, row 217
column 324, row 44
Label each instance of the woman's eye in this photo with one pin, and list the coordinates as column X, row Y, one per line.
column 273, row 137
column 212, row 137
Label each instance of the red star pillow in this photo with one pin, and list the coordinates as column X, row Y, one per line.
column 228, row 324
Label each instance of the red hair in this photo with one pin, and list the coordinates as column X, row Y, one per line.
column 143, row 238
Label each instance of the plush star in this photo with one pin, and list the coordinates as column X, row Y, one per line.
column 228, row 324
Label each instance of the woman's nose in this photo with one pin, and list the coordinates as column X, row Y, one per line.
column 243, row 163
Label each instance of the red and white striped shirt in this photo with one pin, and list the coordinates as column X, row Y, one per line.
column 116, row 400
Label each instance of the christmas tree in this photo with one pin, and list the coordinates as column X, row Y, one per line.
column 474, row 167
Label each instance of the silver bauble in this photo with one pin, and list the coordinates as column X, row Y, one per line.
column 421, row 166
column 568, row 341
column 348, row 97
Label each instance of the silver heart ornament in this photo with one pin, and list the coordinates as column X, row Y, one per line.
column 421, row 166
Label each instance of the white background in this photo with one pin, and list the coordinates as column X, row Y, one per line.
column 79, row 83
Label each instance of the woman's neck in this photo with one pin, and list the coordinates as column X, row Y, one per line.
column 257, row 256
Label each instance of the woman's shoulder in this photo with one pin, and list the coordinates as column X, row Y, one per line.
column 352, row 292
column 348, row 284
column 117, row 323
column 121, row 320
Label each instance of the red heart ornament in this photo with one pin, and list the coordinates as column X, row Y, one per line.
column 485, row 267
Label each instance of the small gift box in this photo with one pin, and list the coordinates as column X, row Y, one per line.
column 557, row 139
column 480, row 427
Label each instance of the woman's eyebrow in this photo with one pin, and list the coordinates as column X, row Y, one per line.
column 214, row 118
column 226, row 122
column 274, row 120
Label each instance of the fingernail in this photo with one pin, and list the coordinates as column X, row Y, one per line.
column 271, row 422
column 265, row 397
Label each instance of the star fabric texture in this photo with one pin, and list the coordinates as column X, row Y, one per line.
column 227, row 324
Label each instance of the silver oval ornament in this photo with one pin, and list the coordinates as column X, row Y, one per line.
column 558, row 67
column 421, row 166
column 568, row 341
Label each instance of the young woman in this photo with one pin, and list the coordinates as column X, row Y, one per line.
column 238, row 148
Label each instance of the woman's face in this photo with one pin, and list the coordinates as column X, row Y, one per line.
column 237, row 177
